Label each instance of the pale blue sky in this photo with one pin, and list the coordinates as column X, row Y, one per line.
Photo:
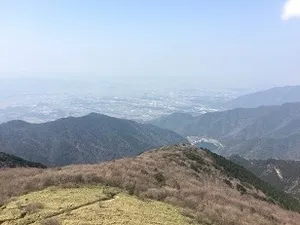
column 245, row 42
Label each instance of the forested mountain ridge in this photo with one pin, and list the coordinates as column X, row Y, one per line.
column 88, row 139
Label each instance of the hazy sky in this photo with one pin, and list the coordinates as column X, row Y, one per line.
column 229, row 42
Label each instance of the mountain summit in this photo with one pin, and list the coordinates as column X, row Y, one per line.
column 174, row 185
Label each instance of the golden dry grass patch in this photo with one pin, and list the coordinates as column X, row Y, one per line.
column 90, row 206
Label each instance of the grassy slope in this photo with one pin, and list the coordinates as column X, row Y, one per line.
column 87, row 205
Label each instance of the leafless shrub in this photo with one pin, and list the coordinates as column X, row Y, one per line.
column 32, row 207
column 51, row 221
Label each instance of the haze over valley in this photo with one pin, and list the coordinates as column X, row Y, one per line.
column 136, row 98
column 153, row 112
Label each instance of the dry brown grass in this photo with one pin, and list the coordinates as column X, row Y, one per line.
column 165, row 175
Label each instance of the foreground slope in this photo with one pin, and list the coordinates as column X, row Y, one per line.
column 262, row 133
column 203, row 186
column 10, row 161
column 88, row 139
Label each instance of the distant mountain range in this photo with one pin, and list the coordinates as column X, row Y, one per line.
column 282, row 174
column 274, row 96
column 261, row 133
column 88, row 139
column 10, row 161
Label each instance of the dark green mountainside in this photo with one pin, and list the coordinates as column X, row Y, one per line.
column 283, row 174
column 237, row 171
column 10, row 161
column 88, row 139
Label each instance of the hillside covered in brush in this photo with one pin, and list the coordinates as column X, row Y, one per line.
column 170, row 185
column 10, row 161
column 88, row 139
column 260, row 133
